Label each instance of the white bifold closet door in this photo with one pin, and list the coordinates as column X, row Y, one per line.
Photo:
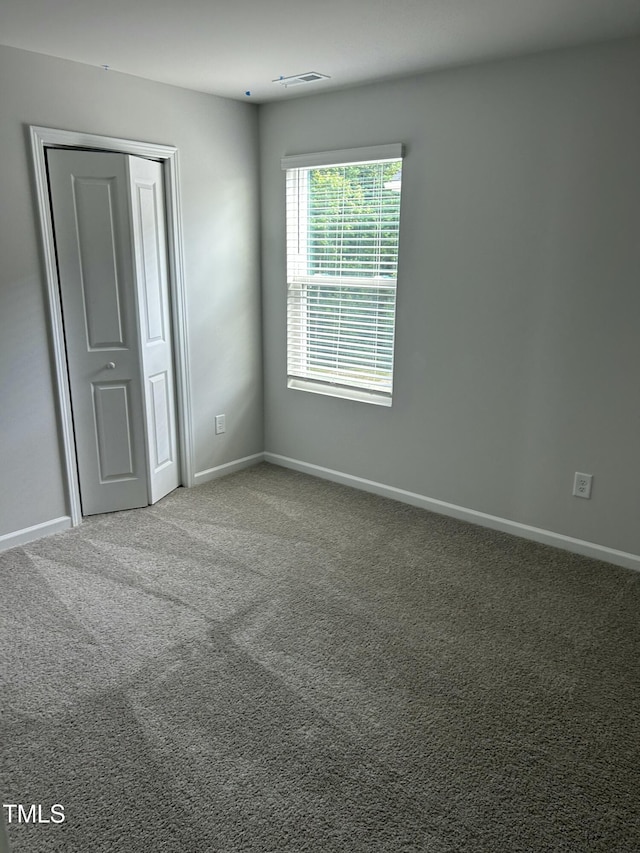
column 109, row 226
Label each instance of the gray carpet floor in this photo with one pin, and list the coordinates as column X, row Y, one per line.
column 271, row 662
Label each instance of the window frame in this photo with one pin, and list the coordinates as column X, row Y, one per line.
column 298, row 258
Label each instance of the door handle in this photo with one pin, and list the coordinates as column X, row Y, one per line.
column 110, row 365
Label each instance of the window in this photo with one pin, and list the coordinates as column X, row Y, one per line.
column 343, row 218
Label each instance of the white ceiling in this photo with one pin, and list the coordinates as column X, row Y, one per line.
column 227, row 47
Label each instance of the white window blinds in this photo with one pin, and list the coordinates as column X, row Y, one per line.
column 343, row 217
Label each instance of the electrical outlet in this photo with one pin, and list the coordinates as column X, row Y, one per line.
column 220, row 424
column 582, row 485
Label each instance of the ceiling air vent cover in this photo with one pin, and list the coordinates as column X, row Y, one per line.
column 300, row 79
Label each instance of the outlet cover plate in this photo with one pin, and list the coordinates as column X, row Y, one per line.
column 582, row 485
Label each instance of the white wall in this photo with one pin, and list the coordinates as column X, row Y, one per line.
column 518, row 339
column 217, row 140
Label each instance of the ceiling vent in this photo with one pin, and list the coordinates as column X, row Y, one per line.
column 300, row 79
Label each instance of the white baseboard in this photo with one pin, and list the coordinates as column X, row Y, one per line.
column 57, row 525
column 29, row 534
column 227, row 468
column 494, row 522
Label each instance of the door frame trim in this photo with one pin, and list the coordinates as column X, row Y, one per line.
column 46, row 137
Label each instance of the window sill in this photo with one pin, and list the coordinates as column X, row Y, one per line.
column 361, row 395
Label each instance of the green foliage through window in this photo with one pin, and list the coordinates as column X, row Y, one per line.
column 353, row 220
